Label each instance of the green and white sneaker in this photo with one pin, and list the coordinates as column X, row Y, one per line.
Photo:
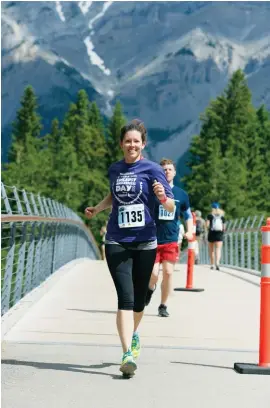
column 136, row 345
column 128, row 365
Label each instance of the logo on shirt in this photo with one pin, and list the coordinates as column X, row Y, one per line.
column 127, row 188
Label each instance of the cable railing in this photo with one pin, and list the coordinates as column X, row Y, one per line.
column 241, row 247
column 38, row 236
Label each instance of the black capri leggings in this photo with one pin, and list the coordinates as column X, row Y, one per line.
column 131, row 271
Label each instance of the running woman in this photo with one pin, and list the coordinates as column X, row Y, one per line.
column 131, row 240
column 167, row 238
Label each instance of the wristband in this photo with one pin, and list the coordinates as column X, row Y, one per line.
column 164, row 199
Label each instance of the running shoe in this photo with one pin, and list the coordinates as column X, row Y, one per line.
column 162, row 311
column 217, row 267
column 149, row 295
column 128, row 365
column 136, row 345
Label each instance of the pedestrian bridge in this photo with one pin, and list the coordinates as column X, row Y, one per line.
column 60, row 347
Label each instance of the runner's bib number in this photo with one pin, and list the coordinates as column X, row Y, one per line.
column 166, row 215
column 130, row 216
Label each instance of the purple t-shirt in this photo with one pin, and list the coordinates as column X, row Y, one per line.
column 133, row 200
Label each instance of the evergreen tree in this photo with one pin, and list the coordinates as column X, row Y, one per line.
column 75, row 148
column 67, row 164
column 87, row 139
column 76, row 124
column 220, row 159
column 262, row 201
column 26, row 127
column 237, row 116
column 67, row 181
column 95, row 118
column 206, row 180
column 116, row 122
column 23, row 168
column 239, row 125
column 234, row 190
column 99, row 142
column 49, row 157
column 54, row 139
column 80, row 131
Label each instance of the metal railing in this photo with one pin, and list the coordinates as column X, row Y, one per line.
column 241, row 247
column 38, row 236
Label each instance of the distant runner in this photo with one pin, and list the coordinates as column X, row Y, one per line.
column 167, row 238
column 216, row 227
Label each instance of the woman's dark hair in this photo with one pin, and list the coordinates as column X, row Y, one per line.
column 135, row 124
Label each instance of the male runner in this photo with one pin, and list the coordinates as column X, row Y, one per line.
column 167, row 238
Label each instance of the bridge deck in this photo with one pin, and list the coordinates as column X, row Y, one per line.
column 63, row 350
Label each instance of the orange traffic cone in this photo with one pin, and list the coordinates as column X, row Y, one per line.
column 190, row 263
column 264, row 352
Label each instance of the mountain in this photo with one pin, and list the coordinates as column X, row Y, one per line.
column 164, row 61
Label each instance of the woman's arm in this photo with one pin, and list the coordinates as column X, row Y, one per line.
column 162, row 189
column 90, row 212
column 167, row 202
column 104, row 204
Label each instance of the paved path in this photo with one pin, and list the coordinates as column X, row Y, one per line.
column 63, row 351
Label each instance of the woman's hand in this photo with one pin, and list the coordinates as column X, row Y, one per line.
column 159, row 190
column 90, row 212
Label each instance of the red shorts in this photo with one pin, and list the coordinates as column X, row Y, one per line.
column 167, row 252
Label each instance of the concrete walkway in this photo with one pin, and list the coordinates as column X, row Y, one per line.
column 60, row 346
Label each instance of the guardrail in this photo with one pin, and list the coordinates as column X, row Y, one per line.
column 242, row 245
column 39, row 235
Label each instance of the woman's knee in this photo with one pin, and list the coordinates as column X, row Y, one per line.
column 139, row 307
column 125, row 306
column 125, row 301
column 139, row 302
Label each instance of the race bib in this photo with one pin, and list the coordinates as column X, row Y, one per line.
column 165, row 215
column 130, row 216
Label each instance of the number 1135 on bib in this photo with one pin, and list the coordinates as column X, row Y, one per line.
column 130, row 216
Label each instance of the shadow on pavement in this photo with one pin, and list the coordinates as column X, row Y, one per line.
column 76, row 368
column 103, row 311
column 94, row 311
column 202, row 365
column 240, row 277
